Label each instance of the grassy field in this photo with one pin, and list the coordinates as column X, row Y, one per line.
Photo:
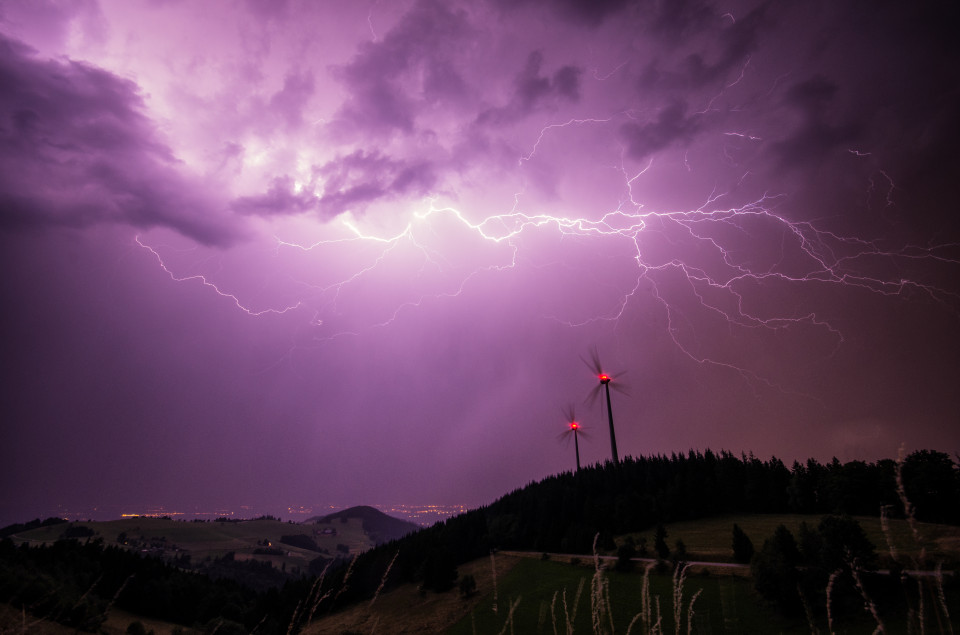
column 529, row 599
column 406, row 610
column 711, row 539
column 215, row 539
column 724, row 605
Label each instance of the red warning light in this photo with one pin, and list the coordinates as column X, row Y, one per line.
column 574, row 425
column 604, row 378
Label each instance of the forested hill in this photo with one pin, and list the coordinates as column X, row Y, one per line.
column 563, row 513
column 379, row 526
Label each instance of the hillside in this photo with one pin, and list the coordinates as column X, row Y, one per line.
column 378, row 527
column 260, row 553
column 566, row 512
column 802, row 521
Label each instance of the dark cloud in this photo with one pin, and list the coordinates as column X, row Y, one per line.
column 533, row 90
column 532, row 87
column 585, row 12
column 672, row 125
column 725, row 47
column 289, row 102
column 678, row 20
column 389, row 80
column 816, row 136
column 76, row 150
column 280, row 198
column 358, row 179
column 351, row 182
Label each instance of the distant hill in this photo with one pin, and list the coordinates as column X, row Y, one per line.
column 379, row 527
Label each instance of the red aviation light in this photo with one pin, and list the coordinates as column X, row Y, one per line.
column 574, row 425
column 604, row 378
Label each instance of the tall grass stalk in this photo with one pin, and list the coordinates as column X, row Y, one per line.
column 509, row 622
column 571, row 617
column 868, row 603
column 315, row 596
column 679, row 577
column 887, row 534
column 922, row 617
column 293, row 618
column 941, row 597
column 493, row 568
column 830, row 581
column 808, row 611
column 916, row 614
column 690, row 611
column 553, row 610
column 908, row 510
column 383, row 580
column 600, row 595
column 645, row 604
column 346, row 578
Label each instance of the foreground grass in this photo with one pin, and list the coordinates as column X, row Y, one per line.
column 406, row 610
column 535, row 589
column 724, row 605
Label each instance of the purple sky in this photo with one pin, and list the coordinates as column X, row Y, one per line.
column 277, row 253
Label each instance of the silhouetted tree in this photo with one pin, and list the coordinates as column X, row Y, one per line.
column 660, row 542
column 932, row 484
column 774, row 570
column 439, row 571
column 843, row 545
column 468, row 586
column 742, row 545
column 625, row 554
column 679, row 552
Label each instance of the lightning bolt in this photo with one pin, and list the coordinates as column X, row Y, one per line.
column 719, row 280
column 207, row 283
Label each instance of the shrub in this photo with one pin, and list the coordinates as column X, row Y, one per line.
column 742, row 545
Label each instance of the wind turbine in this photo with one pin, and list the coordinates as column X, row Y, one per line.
column 605, row 382
column 573, row 428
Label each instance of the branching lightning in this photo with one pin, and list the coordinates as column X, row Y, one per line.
column 719, row 279
column 207, row 283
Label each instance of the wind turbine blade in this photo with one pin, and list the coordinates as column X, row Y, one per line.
column 620, row 388
column 593, row 394
column 594, row 362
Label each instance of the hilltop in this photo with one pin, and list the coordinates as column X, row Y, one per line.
column 379, row 527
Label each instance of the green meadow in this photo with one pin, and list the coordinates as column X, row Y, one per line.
column 711, row 539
